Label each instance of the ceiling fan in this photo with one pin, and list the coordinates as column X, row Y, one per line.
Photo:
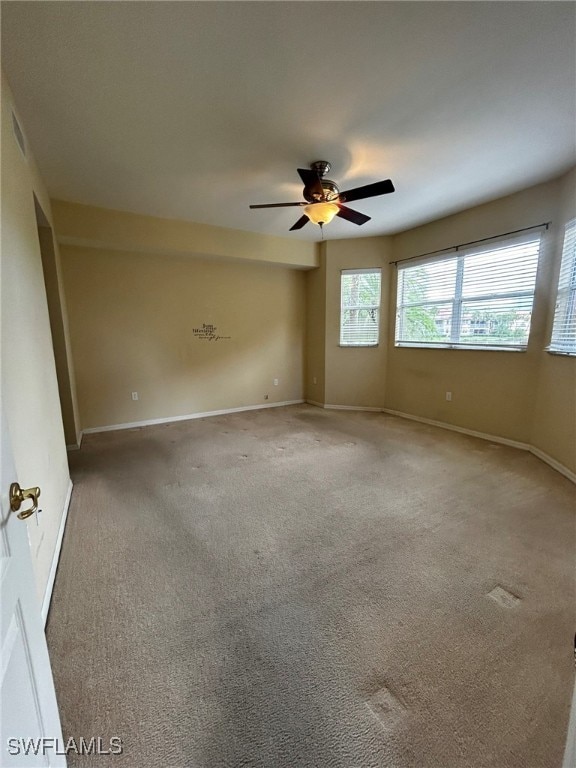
column 324, row 200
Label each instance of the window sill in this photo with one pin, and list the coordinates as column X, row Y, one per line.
column 358, row 346
column 560, row 353
column 467, row 347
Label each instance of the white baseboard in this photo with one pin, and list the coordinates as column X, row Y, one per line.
column 462, row 430
column 554, row 464
column 328, row 406
column 352, row 408
column 187, row 417
column 473, row 433
column 493, row 439
column 56, row 556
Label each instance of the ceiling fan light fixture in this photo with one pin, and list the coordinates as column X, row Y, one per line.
column 321, row 213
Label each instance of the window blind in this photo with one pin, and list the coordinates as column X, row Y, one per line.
column 564, row 327
column 479, row 297
column 359, row 307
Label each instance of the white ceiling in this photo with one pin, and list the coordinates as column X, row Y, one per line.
column 194, row 110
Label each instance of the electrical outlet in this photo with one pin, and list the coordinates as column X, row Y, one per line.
column 449, row 396
column 275, row 382
column 314, row 380
column 134, row 395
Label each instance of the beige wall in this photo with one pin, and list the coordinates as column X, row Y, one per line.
column 554, row 425
column 492, row 392
column 355, row 376
column 86, row 225
column 29, row 390
column 132, row 317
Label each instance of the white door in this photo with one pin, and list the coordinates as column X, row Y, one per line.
column 30, row 729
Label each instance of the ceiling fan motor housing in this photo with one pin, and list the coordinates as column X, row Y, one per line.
column 330, row 188
column 331, row 193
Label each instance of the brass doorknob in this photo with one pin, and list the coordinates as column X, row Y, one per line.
column 19, row 495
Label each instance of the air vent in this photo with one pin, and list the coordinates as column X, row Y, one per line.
column 18, row 133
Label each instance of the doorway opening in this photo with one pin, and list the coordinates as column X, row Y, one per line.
column 58, row 328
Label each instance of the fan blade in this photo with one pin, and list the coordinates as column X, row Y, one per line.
column 369, row 190
column 300, row 223
column 277, row 205
column 311, row 182
column 350, row 215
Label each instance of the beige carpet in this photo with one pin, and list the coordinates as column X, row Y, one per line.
column 298, row 587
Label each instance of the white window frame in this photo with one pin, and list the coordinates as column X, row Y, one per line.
column 371, row 307
column 563, row 339
column 457, row 299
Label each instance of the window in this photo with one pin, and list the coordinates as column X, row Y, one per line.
column 564, row 328
column 480, row 297
column 359, row 307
